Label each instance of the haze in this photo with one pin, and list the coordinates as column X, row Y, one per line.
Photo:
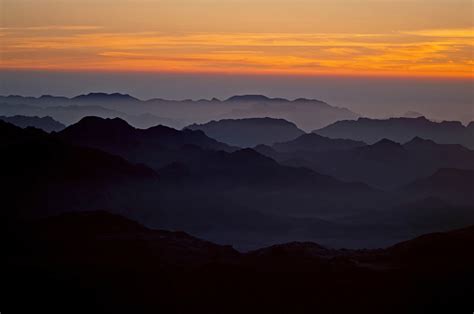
column 376, row 57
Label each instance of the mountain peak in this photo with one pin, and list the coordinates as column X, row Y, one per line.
column 95, row 126
column 105, row 97
column 91, row 120
column 386, row 143
column 419, row 141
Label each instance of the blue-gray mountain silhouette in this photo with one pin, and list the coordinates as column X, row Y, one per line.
column 385, row 164
column 401, row 130
column 308, row 114
column 46, row 124
column 249, row 132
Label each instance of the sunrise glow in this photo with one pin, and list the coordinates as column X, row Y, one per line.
column 178, row 36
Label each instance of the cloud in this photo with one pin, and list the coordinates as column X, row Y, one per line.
column 449, row 33
column 441, row 52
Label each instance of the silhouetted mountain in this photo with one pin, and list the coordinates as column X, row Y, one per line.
column 73, row 113
column 385, row 164
column 400, row 130
column 255, row 98
column 316, row 143
column 157, row 146
column 108, row 234
column 218, row 194
column 108, row 264
column 308, row 114
column 100, row 97
column 235, row 196
column 195, row 180
column 57, row 176
column 46, row 124
column 242, row 197
column 249, row 132
column 423, row 252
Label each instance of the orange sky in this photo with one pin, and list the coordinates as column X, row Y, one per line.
column 352, row 37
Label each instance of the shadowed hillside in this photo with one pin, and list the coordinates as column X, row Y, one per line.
column 107, row 264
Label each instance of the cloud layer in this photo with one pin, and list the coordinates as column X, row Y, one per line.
column 437, row 52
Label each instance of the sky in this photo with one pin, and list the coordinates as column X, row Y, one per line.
column 418, row 41
column 351, row 37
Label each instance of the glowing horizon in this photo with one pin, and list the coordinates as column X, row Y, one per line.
column 176, row 37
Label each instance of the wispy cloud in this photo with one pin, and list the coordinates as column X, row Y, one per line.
column 449, row 33
column 441, row 52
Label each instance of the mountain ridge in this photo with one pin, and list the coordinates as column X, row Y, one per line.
column 308, row 114
column 401, row 130
column 248, row 132
column 46, row 123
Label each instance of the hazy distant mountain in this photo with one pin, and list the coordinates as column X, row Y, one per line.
column 101, row 97
column 254, row 98
column 249, row 132
column 401, row 130
column 69, row 114
column 308, row 114
column 46, row 124
column 385, row 164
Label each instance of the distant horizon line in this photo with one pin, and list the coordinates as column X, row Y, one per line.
column 229, row 99
column 166, row 99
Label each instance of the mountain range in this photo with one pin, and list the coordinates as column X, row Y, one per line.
column 401, row 130
column 184, row 180
column 195, row 162
column 308, row 114
column 112, row 204
column 385, row 164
